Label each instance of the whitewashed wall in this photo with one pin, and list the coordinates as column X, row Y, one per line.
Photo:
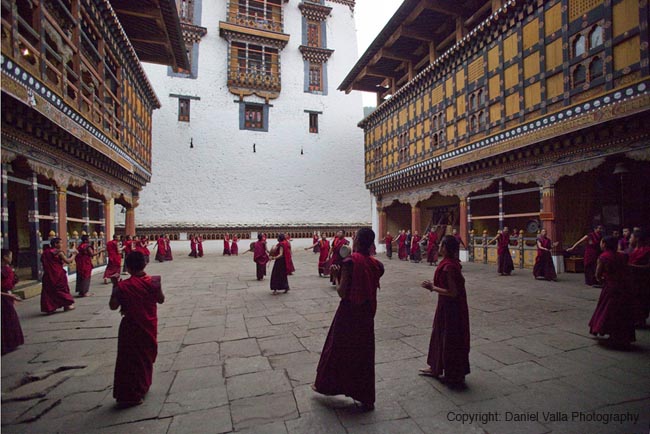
column 221, row 181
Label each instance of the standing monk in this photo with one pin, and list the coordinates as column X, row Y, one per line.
column 279, row 279
column 137, row 339
column 544, row 267
column 347, row 362
column 504, row 260
column 432, row 246
column 193, row 247
column 234, row 248
column 614, row 314
column 226, row 245
column 84, row 262
column 168, row 249
column 324, row 250
column 456, row 235
column 388, row 239
column 199, row 246
column 289, row 257
column 161, row 249
column 449, row 345
column 143, row 247
column 260, row 256
column 315, row 243
column 416, row 254
column 402, row 254
column 12, row 333
column 624, row 241
column 55, row 292
column 335, row 254
column 592, row 252
column 639, row 272
column 127, row 247
column 114, row 251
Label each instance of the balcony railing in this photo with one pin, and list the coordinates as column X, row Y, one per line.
column 267, row 16
column 254, row 79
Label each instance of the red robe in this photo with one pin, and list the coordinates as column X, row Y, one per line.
column 226, row 246
column 389, row 246
column 336, row 259
column 544, row 266
column 314, row 240
column 114, row 259
column 347, row 362
column 432, row 247
column 55, row 292
column 449, row 345
column 161, row 252
column 415, row 248
column 504, row 260
column 193, row 247
column 84, row 262
column 141, row 246
column 592, row 252
column 137, row 345
column 234, row 248
column 288, row 258
column 324, row 250
column 261, row 258
column 614, row 314
column 12, row 333
column 199, row 246
column 640, row 282
column 168, row 250
column 401, row 246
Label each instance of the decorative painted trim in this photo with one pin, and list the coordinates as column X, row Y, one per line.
column 314, row 11
column 60, row 112
column 193, row 34
column 233, row 32
column 315, row 54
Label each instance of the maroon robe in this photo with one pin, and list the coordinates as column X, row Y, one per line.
column 261, row 258
column 168, row 250
column 324, row 249
column 347, row 362
column 12, row 333
column 161, row 251
column 402, row 253
column 279, row 279
column 55, row 292
column 336, row 259
column 640, row 282
column 624, row 244
column 449, row 345
column 614, row 314
column 416, row 254
column 234, row 248
column 200, row 247
column 432, row 248
column 389, row 246
column 84, row 263
column 287, row 257
column 226, row 246
column 137, row 345
column 592, row 252
column 544, row 266
column 504, row 260
column 314, row 240
column 141, row 246
column 193, row 247
column 114, row 259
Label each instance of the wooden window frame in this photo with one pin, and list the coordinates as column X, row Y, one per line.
column 316, row 25
column 315, row 87
column 313, row 123
column 250, row 112
column 184, row 109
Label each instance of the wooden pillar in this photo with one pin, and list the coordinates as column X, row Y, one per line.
column 62, row 211
column 464, row 220
column 5, row 206
column 85, row 212
column 461, row 31
column 382, row 223
column 34, row 229
column 54, row 211
column 108, row 219
column 501, row 218
column 129, row 224
column 416, row 219
column 379, row 99
column 411, row 70
column 433, row 53
column 547, row 214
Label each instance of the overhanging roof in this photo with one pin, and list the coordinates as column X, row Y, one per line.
column 154, row 30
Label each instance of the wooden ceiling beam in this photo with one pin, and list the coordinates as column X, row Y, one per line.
column 142, row 12
column 410, row 32
column 374, row 72
column 396, row 55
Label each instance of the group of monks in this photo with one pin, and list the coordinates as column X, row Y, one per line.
column 230, row 247
column 409, row 246
column 196, row 246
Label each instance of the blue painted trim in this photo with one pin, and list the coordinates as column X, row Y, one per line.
column 265, row 116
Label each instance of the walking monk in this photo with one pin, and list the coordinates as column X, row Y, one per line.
column 505, row 265
column 137, row 344
column 260, row 256
column 544, row 267
column 639, row 273
column 279, row 279
column 315, row 243
column 234, row 248
column 55, row 292
column 226, row 245
column 402, row 252
column 193, row 247
column 199, row 246
column 114, row 251
column 449, row 345
column 388, row 239
column 84, row 262
column 161, row 249
column 324, row 250
column 347, row 363
column 168, row 249
column 416, row 254
column 335, row 254
column 592, row 252
column 12, row 333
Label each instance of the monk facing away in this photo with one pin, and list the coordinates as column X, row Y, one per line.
column 137, row 344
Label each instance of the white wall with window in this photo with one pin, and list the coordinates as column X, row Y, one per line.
column 221, row 181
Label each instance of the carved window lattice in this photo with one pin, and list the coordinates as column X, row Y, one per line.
column 315, row 77
column 186, row 11
column 578, row 8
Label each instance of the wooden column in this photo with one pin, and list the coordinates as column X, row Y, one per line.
column 382, row 223
column 501, row 218
column 5, row 207
column 433, row 53
column 415, row 219
column 62, row 211
column 464, row 220
column 461, row 31
column 85, row 212
column 108, row 219
column 547, row 214
column 34, row 229
column 54, row 211
column 129, row 224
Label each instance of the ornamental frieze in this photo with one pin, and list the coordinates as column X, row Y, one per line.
column 231, row 35
column 314, row 11
column 315, row 54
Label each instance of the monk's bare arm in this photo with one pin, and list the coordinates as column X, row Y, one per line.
column 67, row 260
column 580, row 241
column 599, row 271
column 345, row 280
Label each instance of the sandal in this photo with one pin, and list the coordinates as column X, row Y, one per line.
column 427, row 373
column 67, row 308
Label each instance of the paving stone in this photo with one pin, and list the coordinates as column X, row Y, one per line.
column 198, row 378
column 525, row 373
column 263, row 409
column 203, row 334
column 504, row 353
column 316, row 422
column 241, row 348
column 257, row 383
column 404, row 426
column 194, row 400
column 214, row 420
column 280, row 345
column 245, row 365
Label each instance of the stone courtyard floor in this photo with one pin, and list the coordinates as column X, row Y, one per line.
column 232, row 357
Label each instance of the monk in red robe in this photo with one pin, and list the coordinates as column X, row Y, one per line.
column 456, row 235
column 324, row 250
column 289, row 257
column 137, row 344
column 388, row 240
column 544, row 266
column 114, row 251
column 128, row 247
column 234, row 247
column 592, row 252
column 142, row 246
column 624, row 241
column 315, row 243
column 161, row 249
column 260, row 256
column 55, row 292
column 505, row 265
column 347, row 362
column 168, row 249
column 84, row 262
column 416, row 253
column 279, row 279
column 226, row 245
column 449, row 345
column 432, row 247
column 335, row 254
column 12, row 333
column 193, row 243
column 639, row 272
column 199, row 246
column 402, row 252
column 614, row 314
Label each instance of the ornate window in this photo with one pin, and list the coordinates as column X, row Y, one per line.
column 313, row 123
column 595, row 68
column 477, row 106
column 313, row 33
column 579, row 75
column 253, row 117
column 579, row 46
column 183, row 109
column 403, row 147
column 482, row 119
column 261, row 14
column 437, row 128
column 186, row 11
column 596, row 37
column 315, row 77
